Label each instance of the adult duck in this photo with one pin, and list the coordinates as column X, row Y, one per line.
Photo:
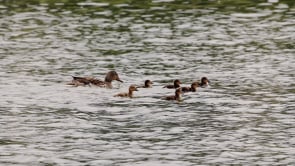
column 110, row 76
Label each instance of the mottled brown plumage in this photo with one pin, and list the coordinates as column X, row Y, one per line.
column 110, row 76
column 80, row 81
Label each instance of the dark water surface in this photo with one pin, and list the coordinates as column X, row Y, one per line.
column 246, row 49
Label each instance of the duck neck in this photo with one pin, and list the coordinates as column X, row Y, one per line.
column 109, row 85
column 130, row 93
column 176, row 85
column 108, row 78
column 178, row 96
column 203, row 84
column 193, row 89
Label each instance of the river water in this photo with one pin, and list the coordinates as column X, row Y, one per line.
column 245, row 117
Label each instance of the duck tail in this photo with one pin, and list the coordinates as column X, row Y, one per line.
column 75, row 77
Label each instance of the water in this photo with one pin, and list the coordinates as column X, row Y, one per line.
column 245, row 48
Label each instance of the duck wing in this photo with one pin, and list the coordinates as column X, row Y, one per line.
column 81, row 80
column 97, row 82
column 169, row 87
column 185, row 89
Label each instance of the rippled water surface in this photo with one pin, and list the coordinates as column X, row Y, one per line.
column 245, row 48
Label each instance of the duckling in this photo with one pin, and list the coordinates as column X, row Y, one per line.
column 193, row 88
column 174, row 86
column 110, row 76
column 129, row 94
column 204, row 82
column 177, row 95
column 147, row 84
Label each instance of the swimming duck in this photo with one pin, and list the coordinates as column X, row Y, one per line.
column 110, row 76
column 147, row 84
column 174, row 86
column 177, row 95
column 204, row 82
column 193, row 88
column 129, row 94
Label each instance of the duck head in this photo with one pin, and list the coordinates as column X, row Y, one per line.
column 194, row 86
column 148, row 83
column 133, row 88
column 204, row 81
column 112, row 75
column 177, row 83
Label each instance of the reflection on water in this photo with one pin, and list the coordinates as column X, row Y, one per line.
column 245, row 117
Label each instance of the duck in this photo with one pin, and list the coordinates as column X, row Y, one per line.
column 129, row 94
column 176, row 97
column 147, row 84
column 176, row 84
column 204, row 82
column 110, row 76
column 193, row 88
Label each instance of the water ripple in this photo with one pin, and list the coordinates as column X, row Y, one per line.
column 243, row 117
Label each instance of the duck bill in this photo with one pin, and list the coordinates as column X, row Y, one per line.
column 119, row 80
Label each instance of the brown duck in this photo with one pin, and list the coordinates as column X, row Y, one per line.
column 193, row 88
column 204, row 82
column 177, row 95
column 110, row 76
column 132, row 88
column 176, row 84
column 147, row 84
